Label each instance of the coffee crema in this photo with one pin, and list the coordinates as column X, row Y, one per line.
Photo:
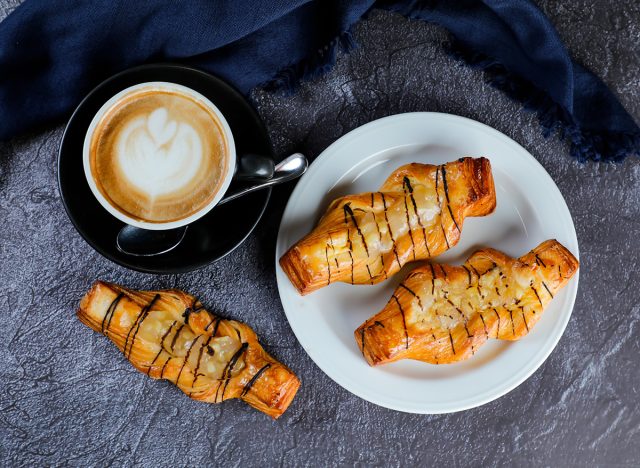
column 159, row 155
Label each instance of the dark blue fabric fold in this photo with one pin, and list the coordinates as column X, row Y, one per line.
column 52, row 52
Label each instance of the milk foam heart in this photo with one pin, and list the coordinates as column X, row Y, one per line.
column 159, row 155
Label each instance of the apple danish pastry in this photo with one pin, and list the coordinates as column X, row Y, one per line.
column 169, row 335
column 417, row 214
column 441, row 313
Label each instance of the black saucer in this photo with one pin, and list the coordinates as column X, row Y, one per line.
column 210, row 238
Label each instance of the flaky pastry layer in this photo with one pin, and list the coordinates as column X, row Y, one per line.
column 169, row 335
column 442, row 313
column 418, row 213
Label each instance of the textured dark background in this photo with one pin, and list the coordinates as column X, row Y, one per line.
column 67, row 396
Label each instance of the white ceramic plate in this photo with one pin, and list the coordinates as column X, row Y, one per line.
column 530, row 209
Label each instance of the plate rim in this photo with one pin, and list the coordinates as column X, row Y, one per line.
column 72, row 217
column 539, row 357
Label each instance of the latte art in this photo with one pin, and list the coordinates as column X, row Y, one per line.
column 159, row 155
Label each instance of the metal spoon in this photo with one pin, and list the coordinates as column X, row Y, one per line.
column 146, row 243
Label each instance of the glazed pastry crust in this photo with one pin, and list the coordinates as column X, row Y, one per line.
column 442, row 313
column 169, row 335
column 417, row 214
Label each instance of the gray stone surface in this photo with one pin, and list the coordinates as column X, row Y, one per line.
column 68, row 397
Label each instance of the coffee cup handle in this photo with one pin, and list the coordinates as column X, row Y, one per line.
column 253, row 167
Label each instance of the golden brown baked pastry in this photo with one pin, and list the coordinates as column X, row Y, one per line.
column 169, row 335
column 442, row 313
column 417, row 214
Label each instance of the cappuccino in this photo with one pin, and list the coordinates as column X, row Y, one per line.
column 159, row 154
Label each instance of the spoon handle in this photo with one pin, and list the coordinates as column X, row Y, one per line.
column 281, row 174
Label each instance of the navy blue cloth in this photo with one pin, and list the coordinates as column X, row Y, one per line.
column 52, row 52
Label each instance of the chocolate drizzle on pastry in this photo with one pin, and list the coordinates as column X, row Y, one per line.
column 169, row 335
column 365, row 238
column 490, row 296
